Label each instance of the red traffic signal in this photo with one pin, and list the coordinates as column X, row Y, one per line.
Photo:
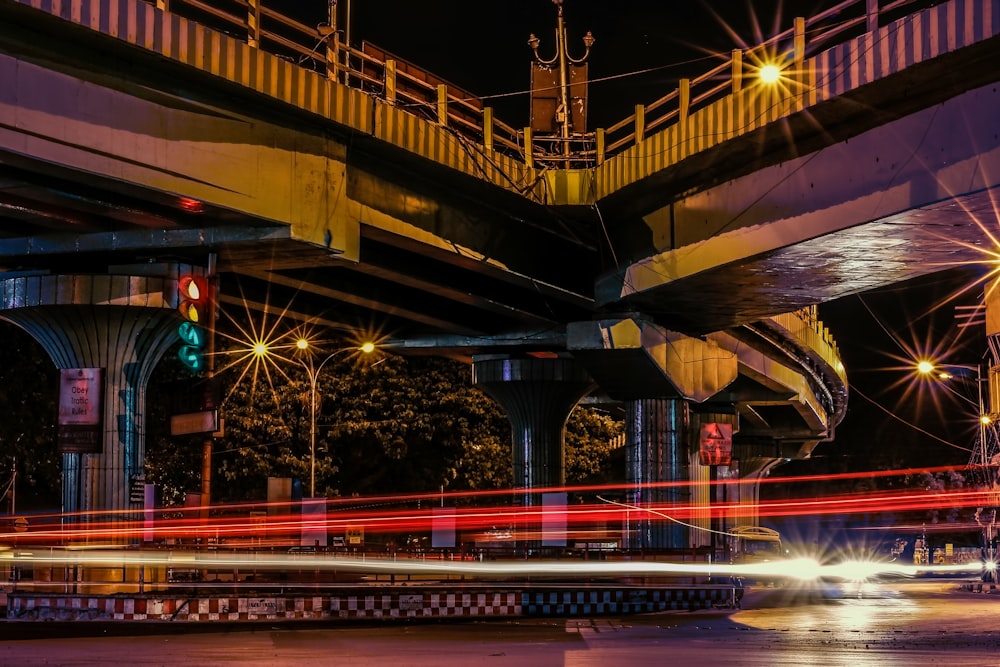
column 194, row 298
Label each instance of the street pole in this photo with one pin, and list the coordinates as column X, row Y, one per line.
column 206, row 453
column 312, row 434
column 564, row 60
column 313, row 372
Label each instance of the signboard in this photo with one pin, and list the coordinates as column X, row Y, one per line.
column 20, row 524
column 81, row 408
column 137, row 490
column 546, row 99
column 191, row 423
column 716, row 444
column 355, row 536
column 411, row 602
column 262, row 606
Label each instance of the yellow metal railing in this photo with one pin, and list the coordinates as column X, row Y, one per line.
column 424, row 95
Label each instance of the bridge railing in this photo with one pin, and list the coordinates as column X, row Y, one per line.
column 806, row 37
column 409, row 87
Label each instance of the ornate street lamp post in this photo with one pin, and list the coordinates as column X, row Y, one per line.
column 312, row 371
column 563, row 60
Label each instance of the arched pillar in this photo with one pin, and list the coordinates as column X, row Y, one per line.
column 537, row 394
column 122, row 324
column 656, row 460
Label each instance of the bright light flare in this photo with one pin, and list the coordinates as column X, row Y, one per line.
column 799, row 569
column 854, row 570
column 769, row 74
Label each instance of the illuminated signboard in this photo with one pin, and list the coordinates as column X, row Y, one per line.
column 716, row 444
column 81, row 410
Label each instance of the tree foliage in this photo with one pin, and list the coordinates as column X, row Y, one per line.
column 384, row 424
column 27, row 431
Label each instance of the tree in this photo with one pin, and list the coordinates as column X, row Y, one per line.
column 389, row 424
column 28, row 429
column 592, row 436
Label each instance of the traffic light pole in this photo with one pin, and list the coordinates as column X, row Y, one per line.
column 206, row 459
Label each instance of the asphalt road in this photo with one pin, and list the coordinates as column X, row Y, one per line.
column 898, row 623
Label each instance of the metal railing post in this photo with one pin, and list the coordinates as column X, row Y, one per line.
column 390, row 81
column 871, row 14
column 640, row 123
column 442, row 104
column 253, row 23
column 488, row 128
column 529, row 149
column 736, row 74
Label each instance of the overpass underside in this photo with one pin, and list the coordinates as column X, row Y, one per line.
column 681, row 286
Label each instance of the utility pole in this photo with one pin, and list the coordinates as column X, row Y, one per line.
column 206, row 463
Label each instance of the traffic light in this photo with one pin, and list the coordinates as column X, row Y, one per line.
column 195, row 301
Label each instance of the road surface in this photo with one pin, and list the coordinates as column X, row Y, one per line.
column 898, row 623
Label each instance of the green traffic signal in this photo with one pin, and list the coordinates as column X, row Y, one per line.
column 193, row 358
column 191, row 334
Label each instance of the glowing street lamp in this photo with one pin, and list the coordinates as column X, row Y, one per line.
column 312, row 371
column 986, row 517
column 769, row 73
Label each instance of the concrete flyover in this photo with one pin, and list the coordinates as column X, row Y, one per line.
column 678, row 276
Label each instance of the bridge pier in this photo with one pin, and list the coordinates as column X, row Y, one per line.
column 714, row 486
column 537, row 394
column 656, row 453
column 122, row 324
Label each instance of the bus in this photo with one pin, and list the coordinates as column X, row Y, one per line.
column 756, row 544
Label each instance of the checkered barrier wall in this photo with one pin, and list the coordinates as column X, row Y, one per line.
column 349, row 605
column 366, row 604
column 427, row 605
column 624, row 601
column 148, row 608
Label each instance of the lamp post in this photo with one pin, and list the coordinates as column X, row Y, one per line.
column 312, row 371
column 564, row 60
column 985, row 516
column 940, row 372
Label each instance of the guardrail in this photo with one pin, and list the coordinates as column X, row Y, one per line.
column 405, row 85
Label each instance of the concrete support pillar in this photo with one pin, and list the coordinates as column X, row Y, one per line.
column 656, row 452
column 715, row 489
column 537, row 395
column 122, row 324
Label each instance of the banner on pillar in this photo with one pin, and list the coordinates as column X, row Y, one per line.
column 716, row 444
column 81, row 410
column 443, row 521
